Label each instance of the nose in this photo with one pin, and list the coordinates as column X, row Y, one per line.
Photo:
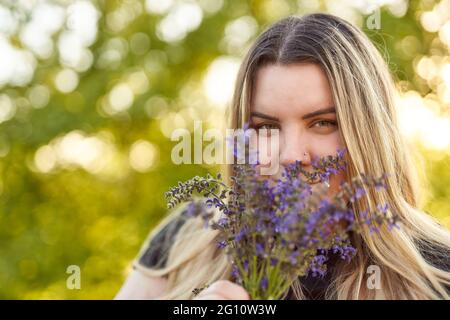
column 293, row 147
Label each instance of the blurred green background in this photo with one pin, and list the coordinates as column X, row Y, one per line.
column 90, row 92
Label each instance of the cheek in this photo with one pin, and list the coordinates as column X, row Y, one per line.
column 324, row 145
column 335, row 182
column 328, row 145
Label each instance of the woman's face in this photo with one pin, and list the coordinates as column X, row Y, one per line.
column 296, row 99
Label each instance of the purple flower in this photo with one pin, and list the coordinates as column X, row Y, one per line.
column 221, row 244
column 293, row 257
column 235, row 272
column 373, row 229
column 317, row 266
column 195, row 209
column 341, row 152
column 242, row 233
column 364, row 214
column 392, row 225
column 264, row 283
column 246, row 265
column 312, row 221
column 324, row 177
column 222, row 222
column 259, row 249
column 347, row 253
column 383, row 208
column 259, row 226
column 360, row 192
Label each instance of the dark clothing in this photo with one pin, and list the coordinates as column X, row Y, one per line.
column 156, row 253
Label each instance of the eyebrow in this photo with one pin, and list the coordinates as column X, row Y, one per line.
column 306, row 116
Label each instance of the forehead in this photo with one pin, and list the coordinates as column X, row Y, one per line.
column 300, row 87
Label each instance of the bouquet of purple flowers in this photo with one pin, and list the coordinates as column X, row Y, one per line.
column 275, row 230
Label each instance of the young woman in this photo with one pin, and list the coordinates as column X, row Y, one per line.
column 323, row 84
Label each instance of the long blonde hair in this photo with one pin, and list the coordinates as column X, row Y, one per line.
column 363, row 91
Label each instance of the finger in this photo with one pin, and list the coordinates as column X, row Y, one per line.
column 210, row 297
column 229, row 290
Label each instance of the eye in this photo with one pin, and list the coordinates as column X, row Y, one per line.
column 324, row 123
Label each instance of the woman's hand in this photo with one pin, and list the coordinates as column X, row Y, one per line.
column 223, row 290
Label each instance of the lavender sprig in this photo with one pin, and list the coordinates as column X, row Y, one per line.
column 275, row 230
